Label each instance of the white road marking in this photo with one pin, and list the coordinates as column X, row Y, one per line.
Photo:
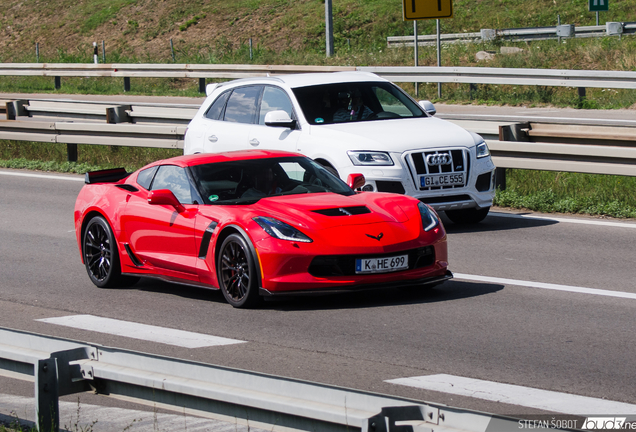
column 517, row 395
column 566, row 220
column 42, row 176
column 140, row 331
column 593, row 291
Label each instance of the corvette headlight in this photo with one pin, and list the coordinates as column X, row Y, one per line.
column 281, row 230
column 370, row 158
column 429, row 218
column 482, row 150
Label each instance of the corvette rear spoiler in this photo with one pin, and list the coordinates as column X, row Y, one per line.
column 106, row 176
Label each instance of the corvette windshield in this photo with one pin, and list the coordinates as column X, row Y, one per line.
column 247, row 181
column 355, row 102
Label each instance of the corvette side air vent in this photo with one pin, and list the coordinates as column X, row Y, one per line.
column 129, row 188
column 344, row 211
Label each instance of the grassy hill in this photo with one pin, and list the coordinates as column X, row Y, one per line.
column 282, row 30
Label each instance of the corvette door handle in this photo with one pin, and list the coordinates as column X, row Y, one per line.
column 213, row 138
column 254, row 142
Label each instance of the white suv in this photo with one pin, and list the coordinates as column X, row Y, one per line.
column 352, row 122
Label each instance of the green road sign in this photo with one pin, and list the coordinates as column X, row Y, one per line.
column 428, row 9
column 598, row 5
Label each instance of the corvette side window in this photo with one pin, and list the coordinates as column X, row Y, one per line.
column 174, row 178
column 214, row 113
column 274, row 99
column 241, row 107
column 145, row 177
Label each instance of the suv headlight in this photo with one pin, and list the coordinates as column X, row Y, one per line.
column 482, row 150
column 375, row 158
column 429, row 218
column 281, row 230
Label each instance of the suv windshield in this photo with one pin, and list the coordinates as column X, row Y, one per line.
column 247, row 181
column 355, row 101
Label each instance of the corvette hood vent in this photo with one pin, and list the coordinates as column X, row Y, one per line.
column 343, row 211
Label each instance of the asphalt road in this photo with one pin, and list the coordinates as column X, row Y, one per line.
column 510, row 331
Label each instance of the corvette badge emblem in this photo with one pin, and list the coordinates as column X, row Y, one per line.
column 378, row 237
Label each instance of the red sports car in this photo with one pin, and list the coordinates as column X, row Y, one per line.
column 253, row 224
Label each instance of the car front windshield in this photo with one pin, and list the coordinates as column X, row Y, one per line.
column 354, row 102
column 247, row 181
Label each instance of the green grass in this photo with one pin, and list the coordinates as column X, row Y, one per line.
column 559, row 192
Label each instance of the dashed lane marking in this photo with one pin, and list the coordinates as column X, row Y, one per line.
column 140, row 331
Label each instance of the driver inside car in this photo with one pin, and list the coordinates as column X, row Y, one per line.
column 351, row 107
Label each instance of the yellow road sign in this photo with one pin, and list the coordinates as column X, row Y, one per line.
column 427, row 9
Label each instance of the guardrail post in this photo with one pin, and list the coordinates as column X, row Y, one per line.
column 126, row 84
column 581, row 94
column 71, row 151
column 47, row 412
column 58, row 83
column 10, row 110
column 16, row 109
column 118, row 114
column 513, row 132
column 202, row 84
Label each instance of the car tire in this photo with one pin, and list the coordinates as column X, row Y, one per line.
column 236, row 272
column 467, row 216
column 101, row 256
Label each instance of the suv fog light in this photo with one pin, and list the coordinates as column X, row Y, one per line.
column 367, row 188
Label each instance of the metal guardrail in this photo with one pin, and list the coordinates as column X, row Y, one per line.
column 515, row 35
column 422, row 74
column 580, row 148
column 62, row 367
column 507, row 76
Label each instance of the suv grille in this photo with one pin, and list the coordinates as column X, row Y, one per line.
column 458, row 162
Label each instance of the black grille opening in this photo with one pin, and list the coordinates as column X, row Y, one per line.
column 344, row 211
column 390, row 186
column 448, row 199
column 483, row 182
column 345, row 265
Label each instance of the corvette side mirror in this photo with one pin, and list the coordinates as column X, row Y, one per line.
column 355, row 181
column 165, row 197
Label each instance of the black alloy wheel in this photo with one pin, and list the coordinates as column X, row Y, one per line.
column 237, row 272
column 101, row 256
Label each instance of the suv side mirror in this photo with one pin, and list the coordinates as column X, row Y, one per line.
column 428, row 106
column 279, row 118
column 165, row 197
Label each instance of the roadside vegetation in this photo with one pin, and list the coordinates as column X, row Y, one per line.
column 292, row 32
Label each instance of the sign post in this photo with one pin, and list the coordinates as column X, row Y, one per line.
column 430, row 9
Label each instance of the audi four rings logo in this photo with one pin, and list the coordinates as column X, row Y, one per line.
column 438, row 159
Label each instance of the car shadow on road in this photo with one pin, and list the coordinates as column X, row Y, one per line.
column 497, row 222
column 448, row 291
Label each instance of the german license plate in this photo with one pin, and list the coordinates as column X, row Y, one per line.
column 382, row 265
column 442, row 180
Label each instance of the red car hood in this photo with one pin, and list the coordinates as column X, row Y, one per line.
column 328, row 210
